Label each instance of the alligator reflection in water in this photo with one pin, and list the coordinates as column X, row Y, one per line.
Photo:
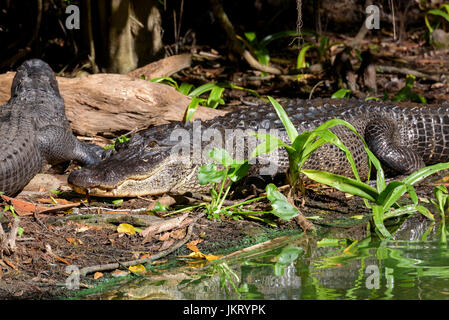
column 415, row 265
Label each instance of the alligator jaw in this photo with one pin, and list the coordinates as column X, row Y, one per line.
column 100, row 192
column 170, row 174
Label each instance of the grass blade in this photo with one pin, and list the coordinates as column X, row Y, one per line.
column 343, row 184
column 378, row 218
column 425, row 172
column 291, row 130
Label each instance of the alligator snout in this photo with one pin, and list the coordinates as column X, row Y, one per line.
column 82, row 178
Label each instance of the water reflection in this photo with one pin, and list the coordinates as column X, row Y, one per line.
column 414, row 265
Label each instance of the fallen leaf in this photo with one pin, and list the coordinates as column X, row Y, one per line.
column 74, row 241
column 192, row 246
column 166, row 244
column 82, row 229
column 164, row 237
column 61, row 259
column 119, row 273
column 197, row 255
column 126, row 228
column 21, row 207
column 9, row 263
column 97, row 275
column 200, row 255
column 178, row 234
column 139, row 268
column 193, row 243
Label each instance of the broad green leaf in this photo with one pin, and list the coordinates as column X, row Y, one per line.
column 270, row 144
column 166, row 80
column 191, row 108
column 423, row 173
column 425, row 212
column 289, row 127
column 340, row 94
column 372, row 98
column 202, row 89
column 413, row 196
column 251, row 36
column 343, row 184
column 287, row 256
column 391, row 194
column 185, row 88
column 301, row 60
column 238, row 171
column 281, row 207
column 441, row 197
column 215, row 97
column 437, row 12
column 209, row 174
column 378, row 218
column 220, row 155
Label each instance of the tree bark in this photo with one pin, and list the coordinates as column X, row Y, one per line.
column 135, row 34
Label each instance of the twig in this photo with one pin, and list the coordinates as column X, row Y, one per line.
column 110, row 266
column 406, row 71
column 314, row 87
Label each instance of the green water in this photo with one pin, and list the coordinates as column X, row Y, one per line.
column 415, row 265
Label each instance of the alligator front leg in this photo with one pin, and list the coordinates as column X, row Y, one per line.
column 58, row 144
column 383, row 140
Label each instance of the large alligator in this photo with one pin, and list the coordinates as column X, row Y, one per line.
column 34, row 128
column 166, row 158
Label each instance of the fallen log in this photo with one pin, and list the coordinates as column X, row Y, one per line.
column 110, row 104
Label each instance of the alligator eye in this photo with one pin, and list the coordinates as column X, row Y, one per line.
column 152, row 144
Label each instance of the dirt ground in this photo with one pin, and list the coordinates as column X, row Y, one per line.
column 86, row 234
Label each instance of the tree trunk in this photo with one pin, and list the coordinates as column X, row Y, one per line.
column 135, row 34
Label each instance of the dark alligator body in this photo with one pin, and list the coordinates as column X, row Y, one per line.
column 403, row 136
column 34, row 128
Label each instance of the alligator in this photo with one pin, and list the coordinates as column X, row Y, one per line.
column 34, row 128
column 166, row 158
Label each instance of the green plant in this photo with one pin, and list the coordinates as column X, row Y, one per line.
column 441, row 203
column 259, row 48
column 406, row 93
column 382, row 199
column 10, row 208
column 341, row 93
column 440, row 14
column 287, row 256
column 221, row 180
column 214, row 99
column 117, row 140
column 323, row 50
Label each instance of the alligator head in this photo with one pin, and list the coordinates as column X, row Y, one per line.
column 139, row 168
column 34, row 74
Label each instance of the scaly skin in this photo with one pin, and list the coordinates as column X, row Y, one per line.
column 34, row 128
column 404, row 137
